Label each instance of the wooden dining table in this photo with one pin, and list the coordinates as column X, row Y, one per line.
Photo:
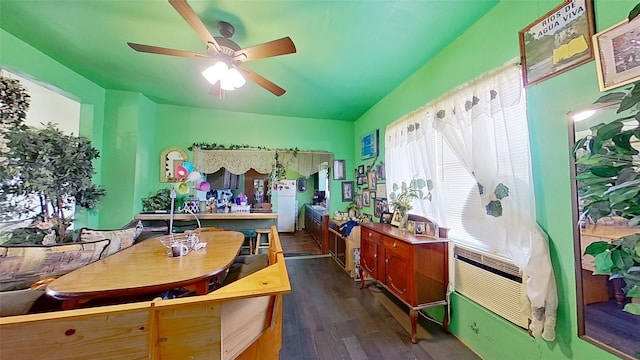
column 146, row 268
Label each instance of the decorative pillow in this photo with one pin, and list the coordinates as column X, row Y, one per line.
column 120, row 239
column 23, row 265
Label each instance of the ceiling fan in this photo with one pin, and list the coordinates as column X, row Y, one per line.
column 227, row 71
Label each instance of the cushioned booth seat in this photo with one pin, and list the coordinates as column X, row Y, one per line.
column 245, row 265
column 23, row 265
column 120, row 238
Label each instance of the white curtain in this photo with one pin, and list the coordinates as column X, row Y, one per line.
column 479, row 122
column 411, row 152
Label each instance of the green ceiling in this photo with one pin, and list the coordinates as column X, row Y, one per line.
column 350, row 54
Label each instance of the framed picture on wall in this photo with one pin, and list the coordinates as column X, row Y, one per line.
column 617, row 57
column 381, row 191
column 380, row 172
column 359, row 201
column 366, row 198
column 339, row 171
column 369, row 145
column 347, row 191
column 371, row 179
column 558, row 41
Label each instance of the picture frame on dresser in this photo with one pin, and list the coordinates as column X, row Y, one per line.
column 411, row 227
column 380, row 207
column 395, row 220
column 385, row 217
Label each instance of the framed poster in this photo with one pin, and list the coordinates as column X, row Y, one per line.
column 371, row 179
column 557, row 42
column 369, row 145
column 347, row 191
column 381, row 172
column 339, row 170
column 381, row 190
column 366, row 198
column 618, row 54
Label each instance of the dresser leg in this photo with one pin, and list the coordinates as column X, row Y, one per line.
column 413, row 315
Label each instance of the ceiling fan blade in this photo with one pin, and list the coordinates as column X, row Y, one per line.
column 272, row 48
column 165, row 51
column 186, row 11
column 260, row 80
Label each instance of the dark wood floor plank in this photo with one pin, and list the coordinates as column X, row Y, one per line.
column 327, row 316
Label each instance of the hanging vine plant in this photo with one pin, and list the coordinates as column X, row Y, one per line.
column 215, row 146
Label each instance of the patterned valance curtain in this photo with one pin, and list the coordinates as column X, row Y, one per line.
column 484, row 123
column 240, row 161
column 305, row 163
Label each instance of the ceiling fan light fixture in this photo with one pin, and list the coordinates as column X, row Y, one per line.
column 236, row 78
column 216, row 72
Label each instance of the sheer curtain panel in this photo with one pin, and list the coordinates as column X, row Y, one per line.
column 474, row 143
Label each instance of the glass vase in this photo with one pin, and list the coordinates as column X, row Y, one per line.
column 404, row 221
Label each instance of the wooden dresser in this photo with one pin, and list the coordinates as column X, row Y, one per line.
column 413, row 268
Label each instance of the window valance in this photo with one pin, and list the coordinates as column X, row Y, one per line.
column 240, row 161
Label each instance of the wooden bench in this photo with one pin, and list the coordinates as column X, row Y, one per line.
column 242, row 320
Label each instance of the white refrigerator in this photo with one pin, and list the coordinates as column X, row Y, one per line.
column 287, row 205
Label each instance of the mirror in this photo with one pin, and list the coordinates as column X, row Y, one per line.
column 169, row 159
column 601, row 298
column 301, row 184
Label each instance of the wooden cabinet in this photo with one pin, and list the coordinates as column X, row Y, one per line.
column 412, row 268
column 223, row 179
column 341, row 248
column 255, row 186
column 316, row 224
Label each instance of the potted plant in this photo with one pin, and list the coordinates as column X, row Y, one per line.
column 44, row 175
column 402, row 196
column 161, row 200
column 608, row 178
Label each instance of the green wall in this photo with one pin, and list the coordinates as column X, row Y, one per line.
column 488, row 44
column 131, row 131
column 24, row 60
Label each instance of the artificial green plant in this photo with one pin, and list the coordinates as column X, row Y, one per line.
column 608, row 178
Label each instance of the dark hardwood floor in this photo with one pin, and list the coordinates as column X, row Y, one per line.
column 327, row 316
column 299, row 243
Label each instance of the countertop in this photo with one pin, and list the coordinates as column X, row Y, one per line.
column 207, row 216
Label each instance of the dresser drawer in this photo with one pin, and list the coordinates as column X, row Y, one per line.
column 371, row 235
column 397, row 246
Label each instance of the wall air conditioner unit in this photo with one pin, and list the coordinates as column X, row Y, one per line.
column 491, row 282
